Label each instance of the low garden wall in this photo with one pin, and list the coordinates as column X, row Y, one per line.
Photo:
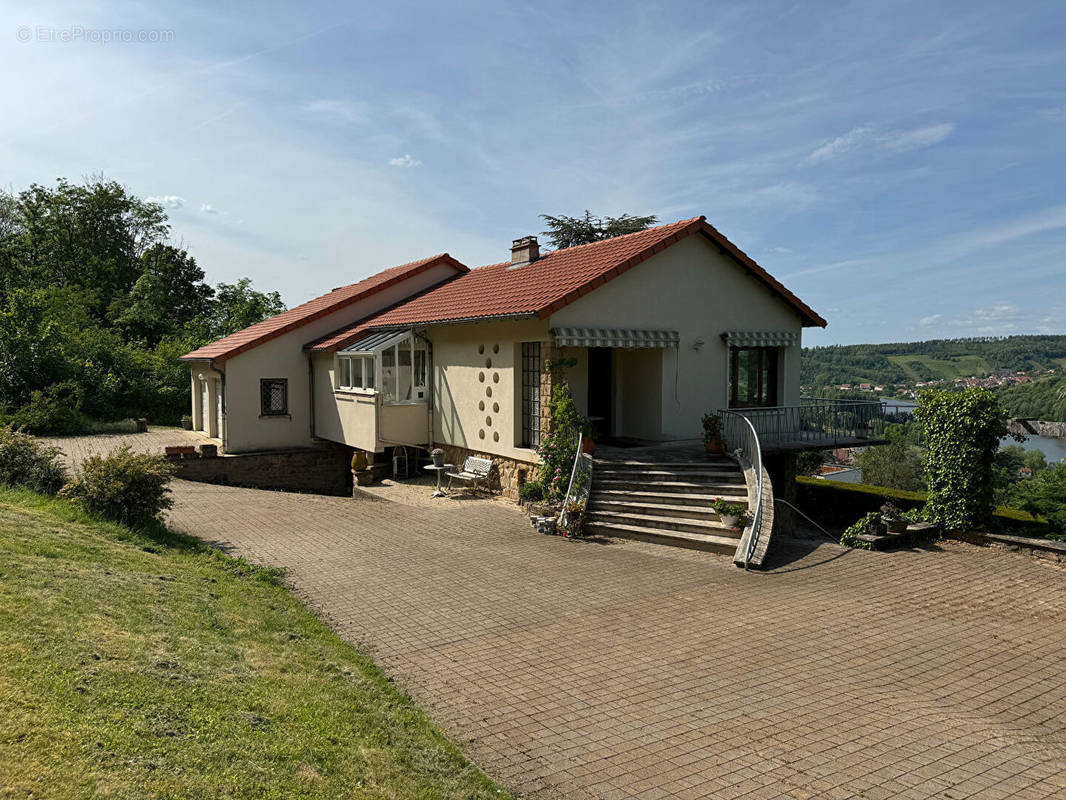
column 508, row 475
column 325, row 469
column 839, row 503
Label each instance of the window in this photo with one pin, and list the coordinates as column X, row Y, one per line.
column 753, row 376
column 274, row 397
column 355, row 372
column 402, row 359
column 531, row 394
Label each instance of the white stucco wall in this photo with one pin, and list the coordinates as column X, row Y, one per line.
column 695, row 290
column 477, row 394
column 283, row 357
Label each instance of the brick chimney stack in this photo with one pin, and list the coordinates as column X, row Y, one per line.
column 524, row 250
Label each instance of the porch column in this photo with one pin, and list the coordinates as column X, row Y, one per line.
column 197, row 409
column 212, row 404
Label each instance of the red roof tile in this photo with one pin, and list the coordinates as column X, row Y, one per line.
column 290, row 320
column 557, row 279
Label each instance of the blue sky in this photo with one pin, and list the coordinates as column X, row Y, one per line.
column 899, row 165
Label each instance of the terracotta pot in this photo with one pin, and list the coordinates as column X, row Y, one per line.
column 588, row 447
column 714, row 446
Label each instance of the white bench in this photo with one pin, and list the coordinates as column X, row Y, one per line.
column 475, row 470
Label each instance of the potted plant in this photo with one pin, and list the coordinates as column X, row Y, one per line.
column 712, row 433
column 733, row 515
column 575, row 519
column 894, row 518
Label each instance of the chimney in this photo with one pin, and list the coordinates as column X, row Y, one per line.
column 524, row 250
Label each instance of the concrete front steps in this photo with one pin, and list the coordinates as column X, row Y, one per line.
column 666, row 502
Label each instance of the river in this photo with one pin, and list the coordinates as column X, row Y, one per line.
column 1053, row 449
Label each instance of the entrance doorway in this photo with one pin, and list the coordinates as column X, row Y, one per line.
column 601, row 391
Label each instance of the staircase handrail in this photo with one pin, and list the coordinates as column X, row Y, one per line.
column 743, row 440
column 571, row 495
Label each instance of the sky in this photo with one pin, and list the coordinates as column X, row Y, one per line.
column 899, row 165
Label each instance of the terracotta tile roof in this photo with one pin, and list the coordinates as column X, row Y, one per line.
column 561, row 277
column 292, row 319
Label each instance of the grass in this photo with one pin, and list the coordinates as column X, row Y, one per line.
column 143, row 664
column 961, row 367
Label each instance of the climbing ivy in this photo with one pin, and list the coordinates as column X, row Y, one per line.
column 961, row 432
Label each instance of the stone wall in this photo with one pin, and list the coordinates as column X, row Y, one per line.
column 508, row 475
column 1028, row 427
column 325, row 469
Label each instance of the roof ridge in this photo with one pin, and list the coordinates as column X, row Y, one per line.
column 680, row 222
column 386, row 269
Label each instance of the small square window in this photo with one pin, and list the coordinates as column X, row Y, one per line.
column 274, row 397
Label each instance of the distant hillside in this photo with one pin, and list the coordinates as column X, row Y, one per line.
column 911, row 362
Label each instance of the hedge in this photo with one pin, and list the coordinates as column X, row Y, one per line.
column 840, row 503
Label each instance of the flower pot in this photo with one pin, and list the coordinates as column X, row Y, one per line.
column 438, row 457
column 729, row 520
column 588, row 447
column 714, row 446
column 895, row 525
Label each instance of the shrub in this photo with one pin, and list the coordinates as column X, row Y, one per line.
column 558, row 447
column 124, row 486
column 723, row 508
column 531, row 492
column 962, row 431
column 870, row 523
column 53, row 410
column 24, row 461
column 573, row 519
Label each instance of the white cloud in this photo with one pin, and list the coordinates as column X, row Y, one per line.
column 895, row 141
column 1056, row 113
column 167, row 200
column 932, row 319
column 406, row 160
column 840, row 145
column 207, row 208
column 902, row 141
column 995, row 320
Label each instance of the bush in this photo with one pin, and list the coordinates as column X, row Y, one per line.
column 26, row 462
column 871, row 523
column 558, row 447
column 123, row 486
column 53, row 410
column 531, row 492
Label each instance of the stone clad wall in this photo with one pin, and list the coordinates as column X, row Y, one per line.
column 509, row 473
column 325, row 469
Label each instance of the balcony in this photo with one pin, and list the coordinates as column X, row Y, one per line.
column 817, row 424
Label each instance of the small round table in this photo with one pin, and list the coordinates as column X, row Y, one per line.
column 440, row 492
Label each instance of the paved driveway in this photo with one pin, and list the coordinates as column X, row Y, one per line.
column 578, row 670
column 572, row 669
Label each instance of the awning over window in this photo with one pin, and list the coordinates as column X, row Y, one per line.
column 375, row 341
column 613, row 337
column 761, row 338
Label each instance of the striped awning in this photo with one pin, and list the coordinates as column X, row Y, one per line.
column 613, row 337
column 761, row 338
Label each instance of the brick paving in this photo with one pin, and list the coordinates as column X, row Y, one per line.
column 629, row 670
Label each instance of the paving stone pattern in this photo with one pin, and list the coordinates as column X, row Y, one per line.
column 631, row 670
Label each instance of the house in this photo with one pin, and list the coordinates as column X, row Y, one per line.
column 656, row 328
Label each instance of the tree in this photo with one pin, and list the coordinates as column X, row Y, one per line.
column 896, row 465
column 1044, row 495
column 169, row 294
column 962, row 432
column 237, row 306
column 809, row 462
column 90, row 236
column 564, row 231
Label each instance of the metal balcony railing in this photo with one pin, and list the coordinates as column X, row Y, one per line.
column 816, row 423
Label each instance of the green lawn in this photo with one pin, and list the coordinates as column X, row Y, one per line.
column 137, row 665
column 923, row 368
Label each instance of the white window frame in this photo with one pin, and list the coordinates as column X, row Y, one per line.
column 367, row 367
column 373, row 367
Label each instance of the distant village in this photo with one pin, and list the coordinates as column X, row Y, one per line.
column 910, row 390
